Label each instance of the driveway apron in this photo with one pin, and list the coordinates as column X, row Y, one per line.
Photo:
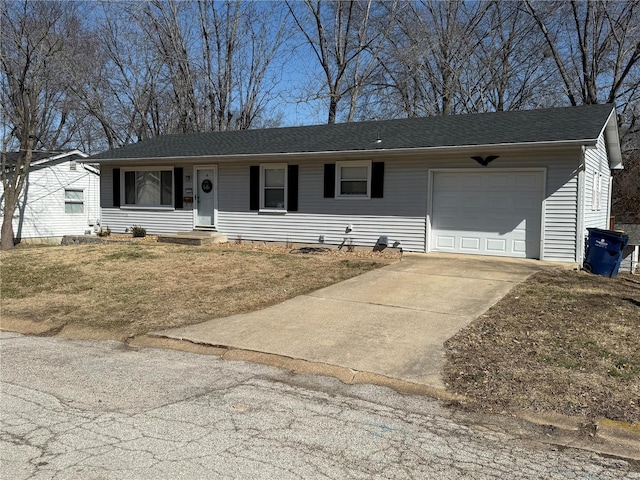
column 392, row 321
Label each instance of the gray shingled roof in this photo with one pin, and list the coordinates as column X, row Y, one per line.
column 582, row 123
column 12, row 157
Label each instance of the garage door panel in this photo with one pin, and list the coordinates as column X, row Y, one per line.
column 446, row 242
column 470, row 243
column 529, row 181
column 497, row 181
column 520, row 246
column 496, row 245
column 491, row 213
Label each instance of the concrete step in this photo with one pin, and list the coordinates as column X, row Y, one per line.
column 195, row 237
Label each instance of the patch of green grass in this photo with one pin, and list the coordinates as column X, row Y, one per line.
column 131, row 254
column 564, row 361
column 584, row 342
column 624, row 368
column 24, row 276
column 603, row 353
column 357, row 265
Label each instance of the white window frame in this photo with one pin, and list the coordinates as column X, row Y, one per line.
column 355, row 163
column 73, row 201
column 123, row 190
column 273, row 166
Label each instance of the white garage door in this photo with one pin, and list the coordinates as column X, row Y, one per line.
column 487, row 213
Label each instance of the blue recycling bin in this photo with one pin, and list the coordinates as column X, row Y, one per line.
column 604, row 251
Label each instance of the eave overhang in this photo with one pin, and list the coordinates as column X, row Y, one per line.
column 348, row 154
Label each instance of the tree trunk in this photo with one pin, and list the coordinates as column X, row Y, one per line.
column 6, row 234
column 333, row 109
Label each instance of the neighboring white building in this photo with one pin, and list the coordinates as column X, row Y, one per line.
column 519, row 184
column 61, row 197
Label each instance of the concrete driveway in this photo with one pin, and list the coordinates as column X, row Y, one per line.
column 392, row 321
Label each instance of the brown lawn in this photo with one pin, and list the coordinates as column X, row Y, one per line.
column 122, row 290
column 564, row 341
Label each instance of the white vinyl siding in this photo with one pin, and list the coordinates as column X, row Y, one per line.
column 561, row 212
column 401, row 215
column 301, row 228
column 595, row 196
column 598, row 182
column 42, row 207
column 154, row 221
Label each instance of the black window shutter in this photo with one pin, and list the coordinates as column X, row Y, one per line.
column 116, row 187
column 254, row 187
column 377, row 179
column 329, row 180
column 292, row 188
column 177, row 183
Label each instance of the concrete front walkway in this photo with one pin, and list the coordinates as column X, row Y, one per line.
column 392, row 321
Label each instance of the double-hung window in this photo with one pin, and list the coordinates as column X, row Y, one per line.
column 73, row 200
column 148, row 187
column 353, row 179
column 273, row 187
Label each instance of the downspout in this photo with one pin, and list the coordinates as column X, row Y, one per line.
column 609, row 201
column 580, row 211
column 96, row 183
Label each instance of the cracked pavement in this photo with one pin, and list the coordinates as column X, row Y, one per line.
column 100, row 410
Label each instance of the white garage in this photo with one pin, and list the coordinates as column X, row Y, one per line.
column 487, row 212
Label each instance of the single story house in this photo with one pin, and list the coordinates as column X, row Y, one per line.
column 518, row 184
column 60, row 197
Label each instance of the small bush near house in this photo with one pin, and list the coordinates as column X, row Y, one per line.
column 138, row 231
column 104, row 232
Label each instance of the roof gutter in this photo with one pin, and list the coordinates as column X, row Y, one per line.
column 588, row 143
column 82, row 156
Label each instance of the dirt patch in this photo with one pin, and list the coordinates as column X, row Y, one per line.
column 126, row 288
column 562, row 342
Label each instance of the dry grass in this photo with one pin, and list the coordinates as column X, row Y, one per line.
column 563, row 342
column 130, row 289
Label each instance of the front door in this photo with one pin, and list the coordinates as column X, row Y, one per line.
column 205, row 197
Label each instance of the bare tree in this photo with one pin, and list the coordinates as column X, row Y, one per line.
column 626, row 185
column 429, row 54
column 165, row 23
column 37, row 109
column 130, row 96
column 345, row 41
column 240, row 42
column 596, row 49
column 506, row 70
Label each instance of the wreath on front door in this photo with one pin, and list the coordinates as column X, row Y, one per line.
column 207, row 186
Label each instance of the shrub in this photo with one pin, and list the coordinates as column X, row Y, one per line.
column 138, row 231
column 104, row 232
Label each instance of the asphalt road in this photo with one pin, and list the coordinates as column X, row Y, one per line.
column 100, row 410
